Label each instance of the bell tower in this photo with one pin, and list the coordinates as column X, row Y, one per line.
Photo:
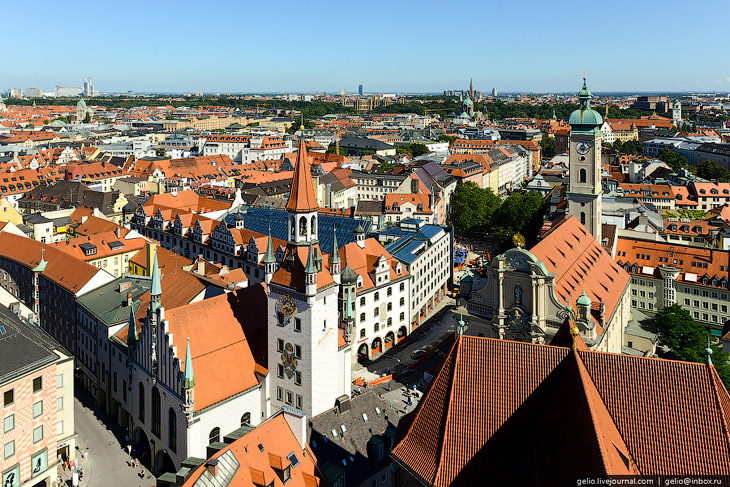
column 302, row 205
column 585, row 191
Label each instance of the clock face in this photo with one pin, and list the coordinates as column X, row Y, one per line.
column 583, row 148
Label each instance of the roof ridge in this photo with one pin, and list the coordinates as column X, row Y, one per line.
column 724, row 410
column 591, row 394
column 448, row 409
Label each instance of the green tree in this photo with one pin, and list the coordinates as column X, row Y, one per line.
column 447, row 138
column 333, row 148
column 674, row 160
column 548, row 147
column 471, row 208
column 385, row 166
column 688, row 339
column 418, row 149
column 308, row 124
column 713, row 170
column 520, row 213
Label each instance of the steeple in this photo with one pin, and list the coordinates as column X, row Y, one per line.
column 132, row 332
column 189, row 380
column 462, row 325
column 302, row 198
column 42, row 264
column 310, row 273
column 269, row 259
column 335, row 258
column 156, row 289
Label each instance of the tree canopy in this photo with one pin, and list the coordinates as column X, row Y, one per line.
column 413, row 149
column 674, row 160
column 713, row 170
column 520, row 213
column 633, row 147
column 688, row 339
column 548, row 147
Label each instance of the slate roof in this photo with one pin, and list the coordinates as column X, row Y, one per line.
column 364, row 143
column 568, row 414
column 349, row 449
column 24, row 348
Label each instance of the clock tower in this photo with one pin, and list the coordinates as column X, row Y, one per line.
column 585, row 190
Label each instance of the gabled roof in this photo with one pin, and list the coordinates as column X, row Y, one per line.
column 569, row 414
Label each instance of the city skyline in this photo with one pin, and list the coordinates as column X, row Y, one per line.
column 235, row 55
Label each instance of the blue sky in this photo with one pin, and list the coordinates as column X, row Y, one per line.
column 388, row 46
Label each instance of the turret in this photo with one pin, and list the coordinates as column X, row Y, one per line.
column 238, row 219
column 583, row 305
column 349, row 283
column 269, row 260
column 310, row 273
column 335, row 258
column 360, row 236
column 189, row 383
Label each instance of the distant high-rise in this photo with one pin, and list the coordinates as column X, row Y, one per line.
column 359, row 89
column 68, row 91
column 33, row 92
column 89, row 89
column 494, row 91
column 15, row 93
column 677, row 113
column 343, row 92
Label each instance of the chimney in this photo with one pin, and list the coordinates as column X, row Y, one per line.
column 602, row 313
column 118, row 232
column 414, row 185
column 201, row 266
column 129, row 299
column 212, row 467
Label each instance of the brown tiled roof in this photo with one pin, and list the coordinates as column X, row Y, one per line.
column 302, row 197
column 525, row 414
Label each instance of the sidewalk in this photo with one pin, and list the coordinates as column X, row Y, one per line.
column 107, row 461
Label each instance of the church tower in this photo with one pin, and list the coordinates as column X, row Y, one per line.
column 677, row 113
column 585, row 190
column 307, row 369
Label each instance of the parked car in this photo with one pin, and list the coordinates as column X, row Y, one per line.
column 416, row 354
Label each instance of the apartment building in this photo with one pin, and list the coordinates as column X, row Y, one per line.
column 37, row 404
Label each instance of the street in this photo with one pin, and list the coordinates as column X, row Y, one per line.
column 432, row 332
column 107, row 461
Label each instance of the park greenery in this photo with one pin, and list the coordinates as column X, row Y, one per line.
column 687, row 339
column 673, row 160
column 548, row 147
column 386, row 166
column 477, row 211
column 413, row 149
column 713, row 170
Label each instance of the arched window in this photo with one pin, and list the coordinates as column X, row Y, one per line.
column 141, row 402
column 362, row 301
column 246, row 419
column 214, row 436
column 362, row 316
column 313, row 227
column 402, row 301
column 303, row 226
column 172, row 429
column 583, row 217
column 292, row 225
column 156, row 411
column 582, row 175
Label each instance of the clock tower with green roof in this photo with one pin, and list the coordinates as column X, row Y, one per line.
column 585, row 190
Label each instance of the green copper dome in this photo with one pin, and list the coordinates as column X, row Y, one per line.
column 583, row 300
column 585, row 117
column 468, row 101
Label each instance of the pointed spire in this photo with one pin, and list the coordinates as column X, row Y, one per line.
column 189, row 381
column 302, row 197
column 269, row 257
column 132, row 332
column 462, row 325
column 42, row 264
column 708, row 351
column 156, row 288
column 311, row 267
column 335, row 254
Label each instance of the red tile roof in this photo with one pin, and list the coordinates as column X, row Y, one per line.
column 568, row 414
column 302, row 197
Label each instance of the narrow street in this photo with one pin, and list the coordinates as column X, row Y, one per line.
column 107, row 463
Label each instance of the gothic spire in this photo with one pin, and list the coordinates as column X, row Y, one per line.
column 269, row 257
column 311, row 267
column 302, row 197
column 156, row 289
column 335, row 254
column 189, row 381
column 132, row 332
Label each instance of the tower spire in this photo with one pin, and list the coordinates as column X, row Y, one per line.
column 269, row 257
column 132, row 332
column 335, row 254
column 189, row 381
column 302, row 197
column 156, row 289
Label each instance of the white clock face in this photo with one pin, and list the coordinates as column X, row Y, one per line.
column 583, row 148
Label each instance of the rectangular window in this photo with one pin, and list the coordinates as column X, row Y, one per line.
column 279, row 371
column 279, row 393
column 9, row 449
column 289, row 397
column 298, row 378
column 38, row 434
column 59, row 381
column 9, row 397
column 9, row 423
column 59, row 404
column 297, row 325
column 299, row 401
column 37, row 384
column 38, row 409
column 279, row 345
column 59, row 428
column 297, row 351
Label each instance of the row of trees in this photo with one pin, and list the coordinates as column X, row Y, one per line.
column 478, row 211
column 634, row 147
column 688, row 340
